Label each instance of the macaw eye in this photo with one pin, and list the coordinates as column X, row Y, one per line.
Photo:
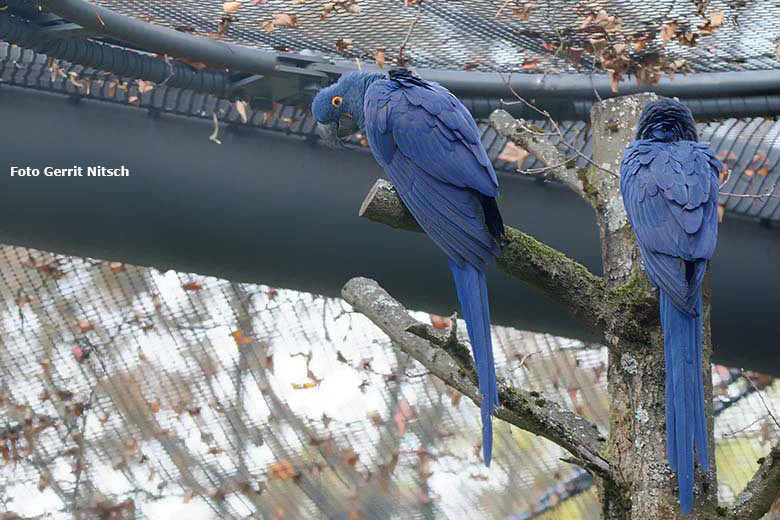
column 336, row 101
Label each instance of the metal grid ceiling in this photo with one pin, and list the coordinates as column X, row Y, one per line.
column 491, row 35
column 198, row 396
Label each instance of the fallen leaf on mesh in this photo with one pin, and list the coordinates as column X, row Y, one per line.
column 257, row 2
column 455, row 397
column 303, row 386
column 530, row 64
column 376, row 418
column 116, row 267
column 439, row 322
column 231, row 7
column 721, row 211
column 145, row 86
column 379, row 57
column 282, row 470
column 134, row 100
column 192, row 285
column 524, row 12
column 513, row 154
column 78, row 353
column 342, row 44
column 404, row 413
column 284, row 20
column 240, row 339
column 574, row 54
column 350, row 458
column 314, row 378
column 326, row 420
column 668, row 31
column 85, row 326
column 154, row 407
column 241, row 107
column 364, row 364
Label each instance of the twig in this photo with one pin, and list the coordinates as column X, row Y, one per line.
column 401, row 61
column 215, row 133
column 555, row 126
column 774, row 419
column 760, row 196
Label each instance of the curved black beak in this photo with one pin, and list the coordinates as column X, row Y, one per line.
column 335, row 134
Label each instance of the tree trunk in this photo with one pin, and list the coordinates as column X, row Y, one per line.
column 645, row 487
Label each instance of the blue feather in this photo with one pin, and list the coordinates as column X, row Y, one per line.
column 430, row 148
column 472, row 294
column 669, row 184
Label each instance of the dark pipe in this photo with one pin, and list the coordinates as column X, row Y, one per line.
column 570, row 109
column 119, row 61
column 163, row 40
column 271, row 209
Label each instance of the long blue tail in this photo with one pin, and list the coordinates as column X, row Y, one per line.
column 472, row 294
column 686, row 426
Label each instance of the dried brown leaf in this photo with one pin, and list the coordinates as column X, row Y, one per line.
column 231, row 7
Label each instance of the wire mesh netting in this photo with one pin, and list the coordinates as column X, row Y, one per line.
column 516, row 36
column 160, row 393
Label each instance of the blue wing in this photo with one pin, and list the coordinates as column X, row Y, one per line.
column 670, row 192
column 430, row 148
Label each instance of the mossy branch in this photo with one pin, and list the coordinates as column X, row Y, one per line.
column 451, row 361
column 581, row 292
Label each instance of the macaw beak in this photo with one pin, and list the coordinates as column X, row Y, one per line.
column 336, row 133
column 346, row 126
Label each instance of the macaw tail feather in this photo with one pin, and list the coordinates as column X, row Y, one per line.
column 472, row 294
column 685, row 419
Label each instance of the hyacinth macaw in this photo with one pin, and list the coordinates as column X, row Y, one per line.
column 430, row 148
column 669, row 183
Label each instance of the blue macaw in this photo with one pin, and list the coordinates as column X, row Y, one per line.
column 669, row 183
column 430, row 148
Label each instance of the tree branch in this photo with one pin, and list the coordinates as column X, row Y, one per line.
column 600, row 310
column 763, row 489
column 451, row 361
column 519, row 132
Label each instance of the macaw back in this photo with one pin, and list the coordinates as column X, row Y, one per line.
column 669, row 186
column 430, row 148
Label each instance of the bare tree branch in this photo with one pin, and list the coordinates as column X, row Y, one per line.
column 763, row 489
column 451, row 361
column 520, row 133
column 582, row 293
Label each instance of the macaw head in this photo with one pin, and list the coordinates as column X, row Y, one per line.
column 338, row 108
column 667, row 120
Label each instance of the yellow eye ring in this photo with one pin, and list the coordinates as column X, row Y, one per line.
column 336, row 101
